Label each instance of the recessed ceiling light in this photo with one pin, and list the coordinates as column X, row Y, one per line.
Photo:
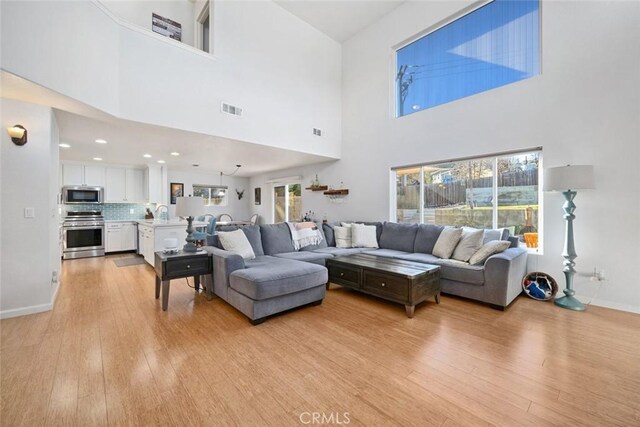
column 97, row 158
column 175, row 153
column 64, row 145
column 101, row 141
column 161, row 161
column 148, row 156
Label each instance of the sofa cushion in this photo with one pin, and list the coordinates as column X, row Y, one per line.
column 447, row 242
column 322, row 244
column 461, row 272
column 237, row 243
column 490, row 234
column 426, row 238
column 468, row 245
column 389, row 253
column 400, row 237
column 378, row 226
column 276, row 238
column 342, row 235
column 363, row 236
column 329, row 234
column 314, row 257
column 255, row 238
column 424, row 258
column 274, row 279
column 488, row 249
column 332, row 250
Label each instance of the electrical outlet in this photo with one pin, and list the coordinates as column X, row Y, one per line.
column 29, row 212
column 132, row 211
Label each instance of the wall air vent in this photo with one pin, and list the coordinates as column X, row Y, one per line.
column 317, row 132
column 231, row 109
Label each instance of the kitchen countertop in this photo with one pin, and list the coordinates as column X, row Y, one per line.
column 169, row 223
column 123, row 221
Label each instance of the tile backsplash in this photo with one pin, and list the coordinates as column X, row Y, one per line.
column 116, row 211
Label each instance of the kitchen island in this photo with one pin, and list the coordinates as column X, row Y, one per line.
column 151, row 235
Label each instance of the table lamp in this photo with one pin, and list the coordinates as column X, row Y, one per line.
column 189, row 207
column 567, row 179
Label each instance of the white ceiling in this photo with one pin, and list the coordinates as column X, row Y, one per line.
column 127, row 142
column 80, row 125
column 339, row 19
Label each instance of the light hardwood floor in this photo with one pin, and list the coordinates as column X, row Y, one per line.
column 108, row 355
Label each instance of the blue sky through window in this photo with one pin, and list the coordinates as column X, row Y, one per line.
column 490, row 47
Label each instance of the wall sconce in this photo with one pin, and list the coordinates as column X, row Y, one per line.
column 18, row 134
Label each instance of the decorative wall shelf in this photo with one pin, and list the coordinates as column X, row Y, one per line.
column 318, row 188
column 339, row 192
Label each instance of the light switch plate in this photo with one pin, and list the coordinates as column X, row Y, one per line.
column 29, row 212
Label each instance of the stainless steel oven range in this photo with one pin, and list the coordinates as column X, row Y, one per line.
column 83, row 235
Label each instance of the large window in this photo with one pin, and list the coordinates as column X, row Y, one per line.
column 487, row 192
column 213, row 195
column 287, row 203
column 492, row 46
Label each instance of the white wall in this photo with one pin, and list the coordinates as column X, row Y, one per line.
column 140, row 13
column 238, row 209
column 29, row 248
column 583, row 109
column 285, row 74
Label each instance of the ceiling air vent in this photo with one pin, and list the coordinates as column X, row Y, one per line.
column 317, row 132
column 231, row 109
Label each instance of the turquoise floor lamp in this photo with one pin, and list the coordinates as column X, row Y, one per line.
column 567, row 179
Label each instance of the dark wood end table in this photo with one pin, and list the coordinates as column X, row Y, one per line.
column 180, row 265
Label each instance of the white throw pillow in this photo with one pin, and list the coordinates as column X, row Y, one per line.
column 236, row 242
column 363, row 236
column 468, row 245
column 447, row 242
column 488, row 249
column 342, row 236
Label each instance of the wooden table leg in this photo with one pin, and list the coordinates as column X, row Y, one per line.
column 157, row 287
column 165, row 294
column 410, row 309
column 438, row 298
column 196, row 283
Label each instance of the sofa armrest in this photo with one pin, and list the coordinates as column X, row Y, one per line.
column 224, row 263
column 503, row 275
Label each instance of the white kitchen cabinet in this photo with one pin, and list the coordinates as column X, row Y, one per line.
column 115, row 190
column 124, row 185
column 78, row 174
column 152, row 238
column 134, row 186
column 153, row 183
column 94, row 176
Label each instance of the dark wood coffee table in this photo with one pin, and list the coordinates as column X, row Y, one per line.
column 404, row 282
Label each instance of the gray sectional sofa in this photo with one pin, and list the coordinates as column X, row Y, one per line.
column 281, row 278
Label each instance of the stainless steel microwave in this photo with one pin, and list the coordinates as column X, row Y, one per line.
column 81, row 195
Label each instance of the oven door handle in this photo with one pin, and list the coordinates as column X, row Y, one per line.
column 83, row 227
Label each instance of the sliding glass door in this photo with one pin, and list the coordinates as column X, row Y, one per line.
column 287, row 203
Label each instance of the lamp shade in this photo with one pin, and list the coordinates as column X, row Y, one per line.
column 189, row 206
column 570, row 177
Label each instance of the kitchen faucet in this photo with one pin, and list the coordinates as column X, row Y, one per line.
column 166, row 208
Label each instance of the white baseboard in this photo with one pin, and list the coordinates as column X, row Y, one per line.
column 23, row 311
column 616, row 306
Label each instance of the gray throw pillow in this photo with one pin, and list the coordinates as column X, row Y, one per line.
column 255, row 239
column 276, row 238
column 447, row 242
column 468, row 245
column 488, row 249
